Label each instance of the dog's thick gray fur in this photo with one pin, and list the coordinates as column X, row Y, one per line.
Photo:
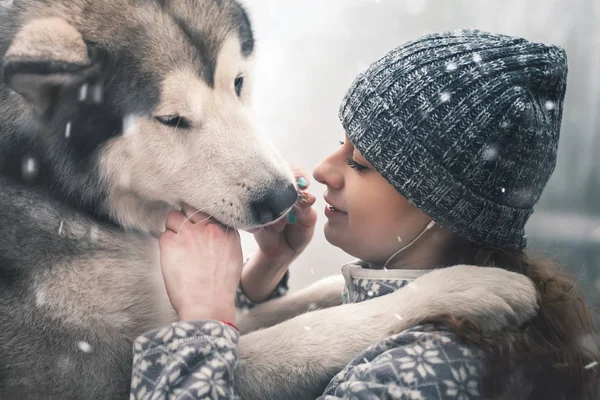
column 112, row 113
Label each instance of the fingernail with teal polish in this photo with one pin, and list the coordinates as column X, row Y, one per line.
column 302, row 182
column 292, row 218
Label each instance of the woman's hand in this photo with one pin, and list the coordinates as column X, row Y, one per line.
column 279, row 244
column 201, row 262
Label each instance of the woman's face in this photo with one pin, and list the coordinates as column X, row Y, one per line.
column 367, row 216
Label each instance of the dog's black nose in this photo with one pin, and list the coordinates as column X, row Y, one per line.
column 274, row 203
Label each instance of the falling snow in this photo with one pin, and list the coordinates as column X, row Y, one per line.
column 30, row 168
column 504, row 124
column 84, row 346
column 94, row 233
column 60, row 228
column 445, row 97
column 68, row 130
column 312, row 271
column 83, row 90
column 451, row 66
column 591, row 365
column 370, row 293
column 97, row 93
column 477, row 57
column 307, row 328
column 490, row 153
column 398, row 316
column 366, row 361
column 550, row 105
column 312, row 306
column 503, row 190
column 129, row 122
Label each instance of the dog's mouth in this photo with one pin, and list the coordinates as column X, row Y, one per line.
column 252, row 229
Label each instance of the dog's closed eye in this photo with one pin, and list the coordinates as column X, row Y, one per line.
column 174, row 121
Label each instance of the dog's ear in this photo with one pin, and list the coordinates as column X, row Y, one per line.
column 47, row 57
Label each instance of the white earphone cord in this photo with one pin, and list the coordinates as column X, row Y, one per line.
column 428, row 227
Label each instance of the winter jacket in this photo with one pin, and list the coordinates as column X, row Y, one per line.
column 196, row 359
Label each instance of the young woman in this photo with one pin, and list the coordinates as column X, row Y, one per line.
column 450, row 141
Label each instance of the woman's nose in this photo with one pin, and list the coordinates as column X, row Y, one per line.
column 328, row 173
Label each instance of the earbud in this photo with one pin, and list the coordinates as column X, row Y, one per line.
column 430, row 225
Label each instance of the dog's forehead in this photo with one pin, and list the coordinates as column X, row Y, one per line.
column 172, row 34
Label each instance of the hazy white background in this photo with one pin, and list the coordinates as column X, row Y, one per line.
column 309, row 51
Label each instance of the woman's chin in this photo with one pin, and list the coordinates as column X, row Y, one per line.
column 334, row 236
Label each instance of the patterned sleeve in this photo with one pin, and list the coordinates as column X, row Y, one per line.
column 414, row 365
column 191, row 359
column 242, row 301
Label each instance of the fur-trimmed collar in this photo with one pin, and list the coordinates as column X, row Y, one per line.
column 364, row 283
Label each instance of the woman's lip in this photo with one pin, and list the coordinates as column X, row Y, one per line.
column 330, row 204
column 331, row 212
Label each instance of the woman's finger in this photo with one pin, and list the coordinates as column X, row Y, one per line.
column 305, row 199
column 175, row 219
column 194, row 216
column 301, row 177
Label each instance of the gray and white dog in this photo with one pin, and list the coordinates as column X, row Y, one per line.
column 113, row 113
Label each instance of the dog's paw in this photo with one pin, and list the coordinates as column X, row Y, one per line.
column 492, row 298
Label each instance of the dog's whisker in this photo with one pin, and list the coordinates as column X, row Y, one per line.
column 196, row 212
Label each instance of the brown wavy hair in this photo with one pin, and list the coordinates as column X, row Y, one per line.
column 552, row 356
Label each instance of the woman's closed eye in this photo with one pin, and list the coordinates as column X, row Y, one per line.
column 354, row 165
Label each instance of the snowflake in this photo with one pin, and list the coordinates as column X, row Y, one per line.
column 503, row 190
column 68, row 130
column 591, row 365
column 84, row 346
column 83, row 90
column 60, row 228
column 504, row 124
column 370, row 293
column 209, row 381
column 463, row 386
column 30, row 168
column 477, row 58
column 312, row 306
column 129, row 123
column 490, row 153
column 398, row 316
column 445, row 97
column 312, row 271
column 550, row 105
column 420, row 360
column 94, row 233
column 307, row 328
column 97, row 93
column 404, row 393
column 451, row 66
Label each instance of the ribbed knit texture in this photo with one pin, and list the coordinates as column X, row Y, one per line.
column 465, row 125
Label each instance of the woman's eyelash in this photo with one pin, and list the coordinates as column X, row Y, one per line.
column 354, row 165
column 341, row 142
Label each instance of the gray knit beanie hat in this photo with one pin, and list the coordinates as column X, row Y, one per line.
column 465, row 125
